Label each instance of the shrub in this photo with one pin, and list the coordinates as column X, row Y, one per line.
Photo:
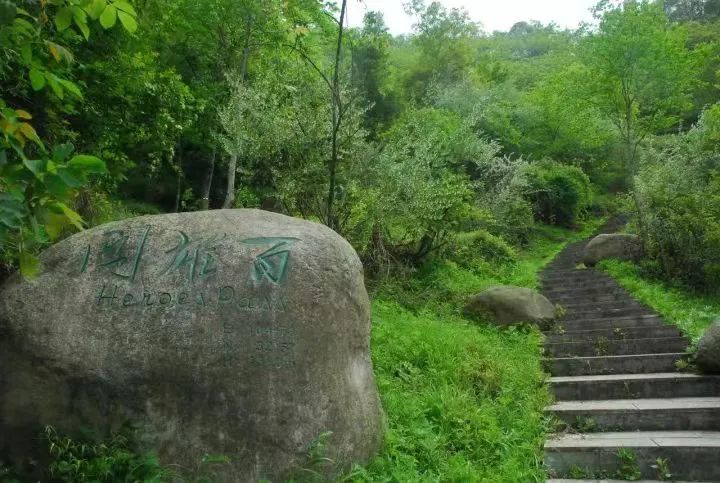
column 499, row 185
column 679, row 189
column 417, row 193
column 559, row 193
column 470, row 250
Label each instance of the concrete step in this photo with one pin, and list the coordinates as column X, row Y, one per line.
column 613, row 334
column 572, row 275
column 598, row 313
column 589, row 283
column 664, row 414
column 610, row 322
column 690, row 455
column 606, row 347
column 628, row 364
column 575, row 291
column 583, row 306
column 558, row 275
column 569, row 298
column 634, row 386
column 552, row 269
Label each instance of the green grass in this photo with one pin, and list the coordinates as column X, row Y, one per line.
column 692, row 313
column 464, row 402
column 443, row 285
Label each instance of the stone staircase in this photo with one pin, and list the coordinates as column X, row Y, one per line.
column 618, row 392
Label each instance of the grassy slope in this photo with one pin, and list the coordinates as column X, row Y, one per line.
column 691, row 313
column 463, row 402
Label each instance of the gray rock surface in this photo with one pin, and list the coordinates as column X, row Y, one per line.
column 708, row 352
column 614, row 245
column 241, row 333
column 508, row 305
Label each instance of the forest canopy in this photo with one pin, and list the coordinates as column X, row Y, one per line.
column 112, row 108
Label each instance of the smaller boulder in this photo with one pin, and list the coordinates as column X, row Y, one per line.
column 708, row 352
column 508, row 305
column 616, row 245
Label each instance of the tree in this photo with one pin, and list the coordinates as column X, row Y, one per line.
column 370, row 55
column 444, row 39
column 38, row 183
column 639, row 72
column 697, row 10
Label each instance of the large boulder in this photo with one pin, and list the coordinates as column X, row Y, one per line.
column 240, row 333
column 507, row 305
column 615, row 245
column 708, row 352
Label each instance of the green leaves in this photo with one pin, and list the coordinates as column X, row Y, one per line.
column 8, row 10
column 63, row 18
column 80, row 18
column 29, row 264
column 88, row 164
column 62, row 152
column 108, row 17
column 37, row 79
column 107, row 14
column 128, row 21
column 75, row 219
column 36, row 166
column 96, row 8
column 125, row 7
column 71, row 86
column 12, row 210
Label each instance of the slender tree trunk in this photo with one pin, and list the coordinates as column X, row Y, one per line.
column 336, row 122
column 207, row 184
column 631, row 169
column 230, row 193
column 179, row 169
column 232, row 165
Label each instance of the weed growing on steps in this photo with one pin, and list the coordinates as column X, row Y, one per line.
column 662, row 466
column 577, row 473
column 585, row 424
column 601, row 346
column 628, row 469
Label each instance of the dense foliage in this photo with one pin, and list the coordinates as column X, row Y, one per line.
column 397, row 143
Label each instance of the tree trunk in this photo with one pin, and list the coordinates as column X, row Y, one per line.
column 207, row 184
column 631, row 171
column 336, row 122
column 230, row 193
column 179, row 169
column 232, row 165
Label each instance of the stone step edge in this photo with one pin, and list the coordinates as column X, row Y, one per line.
column 611, row 318
column 650, row 376
column 627, row 356
column 635, row 405
column 549, row 333
column 609, row 335
column 649, row 340
column 634, row 439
